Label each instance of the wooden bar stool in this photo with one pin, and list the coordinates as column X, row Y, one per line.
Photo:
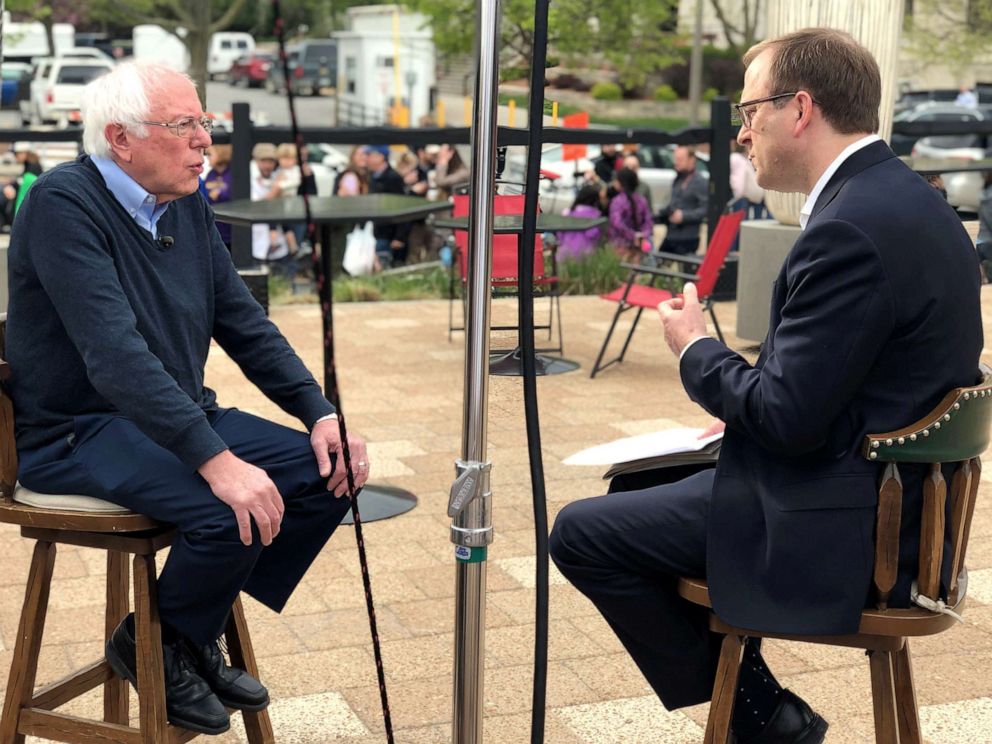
column 92, row 523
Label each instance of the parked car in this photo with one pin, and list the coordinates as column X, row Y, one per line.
column 16, row 84
column 251, row 70
column 39, row 79
column 313, row 66
column 58, row 86
column 326, row 162
column 964, row 190
column 275, row 83
column 225, row 48
column 902, row 144
column 562, row 179
column 84, row 52
column 910, row 99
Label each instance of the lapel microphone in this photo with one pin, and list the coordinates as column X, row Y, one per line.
column 166, row 241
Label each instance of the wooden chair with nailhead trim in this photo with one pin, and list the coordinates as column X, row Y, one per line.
column 956, row 431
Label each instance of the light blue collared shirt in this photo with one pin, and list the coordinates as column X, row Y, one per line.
column 138, row 202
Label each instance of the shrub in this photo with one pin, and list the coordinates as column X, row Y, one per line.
column 607, row 92
column 514, row 73
column 596, row 273
column 665, row 93
column 582, row 86
column 710, row 93
column 722, row 69
column 565, row 80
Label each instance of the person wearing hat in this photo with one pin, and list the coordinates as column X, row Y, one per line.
column 390, row 239
column 119, row 286
column 267, row 242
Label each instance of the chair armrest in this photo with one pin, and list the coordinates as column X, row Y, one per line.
column 4, row 370
column 689, row 258
column 659, row 271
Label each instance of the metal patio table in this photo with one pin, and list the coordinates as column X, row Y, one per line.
column 334, row 217
column 509, row 363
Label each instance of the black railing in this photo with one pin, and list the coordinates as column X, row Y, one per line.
column 244, row 135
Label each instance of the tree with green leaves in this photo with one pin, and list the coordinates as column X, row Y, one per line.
column 739, row 26
column 200, row 19
column 636, row 38
column 950, row 34
column 633, row 36
column 49, row 13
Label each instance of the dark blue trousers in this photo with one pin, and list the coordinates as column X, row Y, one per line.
column 625, row 552
column 109, row 458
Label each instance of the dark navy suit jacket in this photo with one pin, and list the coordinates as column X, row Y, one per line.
column 875, row 316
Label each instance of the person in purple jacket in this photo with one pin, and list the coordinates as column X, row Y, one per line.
column 579, row 244
column 630, row 217
column 217, row 184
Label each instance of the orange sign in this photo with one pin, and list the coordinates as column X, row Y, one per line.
column 575, row 121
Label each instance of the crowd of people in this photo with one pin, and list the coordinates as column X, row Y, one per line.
column 611, row 188
column 429, row 171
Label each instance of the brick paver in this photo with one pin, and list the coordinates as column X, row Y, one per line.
column 401, row 381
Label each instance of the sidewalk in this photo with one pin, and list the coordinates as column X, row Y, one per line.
column 401, row 383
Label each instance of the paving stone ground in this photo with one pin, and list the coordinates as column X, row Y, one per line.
column 401, row 381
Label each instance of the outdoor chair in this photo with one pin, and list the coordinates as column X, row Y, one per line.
column 633, row 294
column 956, row 431
column 505, row 279
column 51, row 520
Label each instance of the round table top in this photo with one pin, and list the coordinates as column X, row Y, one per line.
column 514, row 223
column 329, row 209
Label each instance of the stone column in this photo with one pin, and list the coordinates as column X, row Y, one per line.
column 877, row 24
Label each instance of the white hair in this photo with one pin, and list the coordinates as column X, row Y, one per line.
column 122, row 96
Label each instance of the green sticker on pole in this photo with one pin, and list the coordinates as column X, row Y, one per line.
column 465, row 554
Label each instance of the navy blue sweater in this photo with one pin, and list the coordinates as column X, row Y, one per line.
column 104, row 319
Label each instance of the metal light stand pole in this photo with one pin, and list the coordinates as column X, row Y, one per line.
column 470, row 501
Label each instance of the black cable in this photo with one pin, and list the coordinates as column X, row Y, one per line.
column 322, row 272
column 525, row 259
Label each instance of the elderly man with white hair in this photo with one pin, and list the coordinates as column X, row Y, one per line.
column 118, row 283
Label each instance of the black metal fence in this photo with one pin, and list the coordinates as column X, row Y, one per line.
column 244, row 135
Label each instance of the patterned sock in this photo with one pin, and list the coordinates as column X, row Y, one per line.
column 758, row 694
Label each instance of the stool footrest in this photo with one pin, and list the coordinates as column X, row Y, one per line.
column 136, row 543
column 68, row 688
column 64, row 727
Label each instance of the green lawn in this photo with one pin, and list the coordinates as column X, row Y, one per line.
column 665, row 123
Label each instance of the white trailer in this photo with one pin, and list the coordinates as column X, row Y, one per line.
column 24, row 41
column 153, row 43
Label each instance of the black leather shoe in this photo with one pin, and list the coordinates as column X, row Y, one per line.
column 793, row 722
column 235, row 687
column 189, row 701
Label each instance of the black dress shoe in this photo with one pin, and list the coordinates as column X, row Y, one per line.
column 235, row 687
column 189, row 701
column 793, row 722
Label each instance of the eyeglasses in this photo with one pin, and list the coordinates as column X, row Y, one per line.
column 185, row 127
column 745, row 110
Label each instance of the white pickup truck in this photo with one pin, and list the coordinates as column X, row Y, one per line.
column 57, row 88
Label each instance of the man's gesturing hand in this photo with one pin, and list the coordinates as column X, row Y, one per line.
column 249, row 492
column 325, row 439
column 682, row 318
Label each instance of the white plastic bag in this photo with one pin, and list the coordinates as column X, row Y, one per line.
column 359, row 251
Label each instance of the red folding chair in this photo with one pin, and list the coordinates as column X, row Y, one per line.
column 505, row 278
column 632, row 294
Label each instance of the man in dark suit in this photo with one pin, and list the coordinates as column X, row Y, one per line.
column 875, row 316
column 390, row 239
